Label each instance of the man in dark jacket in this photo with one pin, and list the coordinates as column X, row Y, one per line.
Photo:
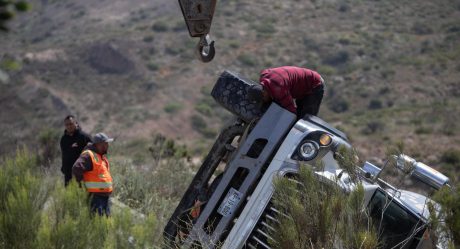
column 299, row 90
column 72, row 143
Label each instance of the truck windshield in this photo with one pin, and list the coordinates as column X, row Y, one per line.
column 394, row 223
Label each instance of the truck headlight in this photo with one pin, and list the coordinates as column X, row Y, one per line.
column 308, row 150
column 325, row 139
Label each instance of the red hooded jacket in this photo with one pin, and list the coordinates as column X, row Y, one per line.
column 284, row 84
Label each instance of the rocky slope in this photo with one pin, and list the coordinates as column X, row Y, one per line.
column 127, row 68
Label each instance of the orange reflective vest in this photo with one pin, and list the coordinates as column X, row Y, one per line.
column 99, row 179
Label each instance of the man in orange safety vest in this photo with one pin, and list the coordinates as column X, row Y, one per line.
column 93, row 169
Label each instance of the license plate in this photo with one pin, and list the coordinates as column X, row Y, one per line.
column 230, row 202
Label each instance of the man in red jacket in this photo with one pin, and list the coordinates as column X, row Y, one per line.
column 299, row 90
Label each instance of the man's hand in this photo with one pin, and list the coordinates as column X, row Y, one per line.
column 74, row 145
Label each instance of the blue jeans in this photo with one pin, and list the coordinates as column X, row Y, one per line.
column 100, row 204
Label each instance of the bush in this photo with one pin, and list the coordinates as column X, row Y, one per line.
column 9, row 9
column 375, row 104
column 373, row 127
column 172, row 107
column 421, row 29
column 318, row 214
column 152, row 66
column 155, row 192
column 33, row 216
column 200, row 125
column 234, row 44
column 247, row 60
column 198, row 122
column 22, row 196
column 160, row 27
column 338, row 105
column 265, row 28
column 179, row 26
column 48, row 144
column 10, row 65
column 68, row 223
column 337, row 59
column 203, row 108
column 451, row 156
column 423, row 130
column 148, row 38
column 173, row 50
column 344, row 7
column 448, row 218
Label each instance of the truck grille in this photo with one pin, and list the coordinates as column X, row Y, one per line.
column 261, row 235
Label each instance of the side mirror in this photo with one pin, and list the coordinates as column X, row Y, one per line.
column 421, row 171
column 371, row 171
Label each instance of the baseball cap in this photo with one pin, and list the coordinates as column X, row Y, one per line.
column 255, row 93
column 101, row 138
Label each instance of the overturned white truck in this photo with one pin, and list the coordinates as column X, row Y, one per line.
column 267, row 142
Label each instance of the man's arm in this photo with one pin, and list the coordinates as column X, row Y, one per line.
column 82, row 165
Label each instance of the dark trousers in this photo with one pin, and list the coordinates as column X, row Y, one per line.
column 67, row 178
column 100, row 204
column 310, row 104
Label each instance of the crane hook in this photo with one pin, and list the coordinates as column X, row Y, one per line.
column 205, row 48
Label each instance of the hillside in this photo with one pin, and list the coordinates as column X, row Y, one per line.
column 127, row 68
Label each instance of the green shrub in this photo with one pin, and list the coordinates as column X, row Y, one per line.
column 373, row 127
column 32, row 216
column 22, row 196
column 152, row 66
column 448, row 218
column 421, row 29
column 179, row 26
column 265, row 28
column 203, row 108
column 326, row 70
column 209, row 133
column 336, row 59
column 318, row 214
column 423, row 130
column 172, row 107
column 375, row 104
column 68, row 223
column 451, row 156
column 48, row 143
column 387, row 73
column 160, row 26
column 198, row 123
column 148, row 38
column 234, row 44
column 10, row 65
column 154, row 192
column 247, row 60
column 173, row 50
column 9, row 9
column 78, row 14
column 338, row 105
